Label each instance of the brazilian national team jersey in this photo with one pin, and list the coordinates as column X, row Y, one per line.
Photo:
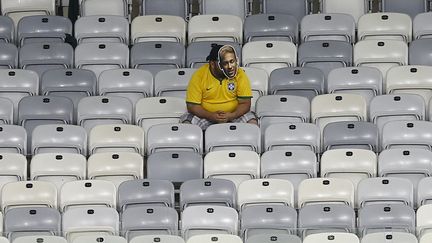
column 214, row 95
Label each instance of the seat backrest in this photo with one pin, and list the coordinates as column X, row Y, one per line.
column 330, row 26
column 18, row 9
column 9, row 56
column 292, row 136
column 406, row 134
column 210, row 238
column 107, row 7
column 157, row 238
column 197, row 52
column 228, row 136
column 297, row 8
column 102, row 29
column 231, row 7
column 215, row 27
column 396, row 237
column 13, row 167
column 400, row 6
column 421, row 29
column 258, row 79
column 158, row 7
column 423, row 222
column 44, row 29
column 383, row 26
column 424, row 193
column 337, row 237
column 419, row 51
column 355, row 8
column 44, row 238
column 326, row 190
column 13, row 139
column 98, row 238
column 158, row 28
column 271, row 27
column 7, row 29
column 273, row 238
column 173, row 82
column 6, row 111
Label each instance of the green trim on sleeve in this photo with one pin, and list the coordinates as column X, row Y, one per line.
column 192, row 103
column 244, row 97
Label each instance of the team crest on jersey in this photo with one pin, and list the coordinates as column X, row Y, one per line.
column 231, row 86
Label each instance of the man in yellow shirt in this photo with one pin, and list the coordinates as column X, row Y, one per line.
column 219, row 91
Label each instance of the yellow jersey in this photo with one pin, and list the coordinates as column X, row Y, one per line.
column 214, row 95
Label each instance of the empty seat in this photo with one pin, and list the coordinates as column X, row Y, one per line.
column 267, row 219
column 209, row 191
column 258, row 79
column 115, row 167
column 330, row 26
column 102, row 29
column 43, row 238
column 325, row 190
column 326, row 218
column 412, row 8
column 420, row 51
column 421, row 28
column 299, row 81
column 381, row 54
column 157, row 238
column 59, row 139
column 17, row 9
column 208, row 219
column 325, row 55
column 98, row 238
column 271, row 27
column 158, row 7
column 351, row 134
column 351, row 164
column 13, row 139
column 26, row 221
column 197, row 52
column 89, row 221
column 236, row 7
column 424, row 193
column 229, row 136
column 265, row 192
column 28, row 194
column 13, row 167
column 273, row 238
column 385, row 26
column 149, row 220
column 297, row 8
column 7, row 29
column 158, row 28
column 396, row 237
column 385, row 190
column 43, row 29
column 423, row 222
column 215, row 27
column 298, row 136
column 98, row 110
column 406, row 134
column 6, row 111
column 337, row 237
column 9, row 56
column 365, row 81
column 133, row 84
column 173, row 82
column 104, row 7
column 134, row 193
column 58, row 168
column 99, row 57
column 175, row 137
column 211, row 238
column 116, row 138
column 41, row 57
column 156, row 56
column 269, row 55
column 355, row 8
column 236, row 166
column 385, row 218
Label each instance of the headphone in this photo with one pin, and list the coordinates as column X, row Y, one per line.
column 219, row 61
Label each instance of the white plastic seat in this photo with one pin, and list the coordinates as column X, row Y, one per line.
column 355, row 8
column 13, row 167
column 43, row 238
column 158, row 28
column 298, row 136
column 425, row 238
column 13, row 139
column 215, row 28
column 115, row 167
column 258, row 79
column 236, row 166
column 157, row 238
column 265, row 192
column 325, row 190
column 394, row 237
column 334, row 26
column 23, row 193
column 87, row 193
column 233, row 136
column 102, row 29
column 173, row 82
column 104, row 7
column 58, row 168
column 423, row 220
column 232, row 7
column 269, row 55
column 385, row 26
column 214, row 238
column 16, row 9
column 98, row 238
column 336, row 237
column 351, row 164
column 406, row 134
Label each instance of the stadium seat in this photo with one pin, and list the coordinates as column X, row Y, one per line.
column 215, row 27
column 98, row 238
column 6, row 111
column 423, row 222
column 102, row 29
column 412, row 8
column 337, row 237
column 331, row 26
column 421, row 28
column 233, row 136
column 424, row 193
column 211, row 238
column 420, row 51
column 299, row 81
column 355, row 8
column 104, row 7
column 13, row 139
column 9, row 56
column 292, row 136
column 59, row 139
column 173, row 82
column 273, row 238
column 13, row 167
column 7, row 30
column 259, row 83
column 406, row 134
column 43, row 238
column 297, row 8
column 271, row 27
column 231, row 7
column 325, row 190
column 157, row 238
column 16, row 9
column 396, row 237
column 158, row 28
column 158, row 7
column 385, row 26
column 197, row 52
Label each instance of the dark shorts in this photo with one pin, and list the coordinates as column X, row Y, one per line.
column 204, row 124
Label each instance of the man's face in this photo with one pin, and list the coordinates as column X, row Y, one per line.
column 228, row 63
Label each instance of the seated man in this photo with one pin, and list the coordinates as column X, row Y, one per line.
column 219, row 91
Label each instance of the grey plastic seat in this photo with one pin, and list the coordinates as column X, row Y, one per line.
column 149, row 220
column 43, row 29
column 9, row 56
column 421, row 28
column 102, row 29
column 133, row 84
column 173, row 82
column 100, row 238
column 97, row 110
column 41, row 57
column 303, row 136
column 325, row 55
column 351, row 134
column 386, row 217
column 385, row 190
column 13, row 139
column 395, row 237
column 197, row 52
column 7, row 29
column 406, row 134
column 231, row 7
column 59, row 139
column 74, row 84
column 399, row 6
column 40, row 238
column 300, row 81
column 134, row 193
column 420, row 51
column 6, row 111
column 158, row 7
column 273, row 238
column 26, row 221
column 107, row 7
column 393, row 107
column 13, row 167
column 40, row 110
column 271, row 27
column 267, row 219
column 156, row 56
column 229, row 136
column 366, row 81
column 320, row 218
column 99, row 57
column 330, row 26
column 297, row 8
column 424, row 192
column 210, row 191
column 176, row 167
column 175, row 137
